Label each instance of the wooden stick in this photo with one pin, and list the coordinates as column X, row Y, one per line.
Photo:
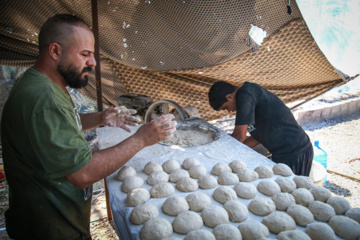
column 343, row 174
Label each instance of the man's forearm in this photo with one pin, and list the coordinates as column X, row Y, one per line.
column 251, row 142
column 91, row 120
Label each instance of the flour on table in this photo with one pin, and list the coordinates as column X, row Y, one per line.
column 189, row 138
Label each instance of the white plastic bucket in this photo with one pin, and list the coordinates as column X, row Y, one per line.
column 317, row 173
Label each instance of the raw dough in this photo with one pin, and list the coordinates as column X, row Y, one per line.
column 283, row 200
column 137, row 196
column 228, row 178
column 237, row 165
column 303, row 182
column 171, row 238
column 200, row 234
column 252, row 229
column 320, row 193
column 293, row 235
column 340, row 205
column 130, row 183
column 247, row 175
column 177, row 174
column 189, row 138
column 268, row 187
column 278, row 222
column 198, row 201
column 152, row 167
column 161, row 190
column 303, row 196
column 214, row 215
column 190, row 162
column 245, row 190
column 300, row 214
column 207, row 182
column 264, row 171
column 321, row 211
column 187, row 185
column 237, row 211
column 282, row 169
column 320, row 231
column 157, row 177
column 124, row 172
column 354, row 213
column 170, row 165
column 345, row 227
column 227, row 232
column 224, row 194
column 220, row 168
column 175, row 205
column 187, row 221
column 143, row 212
column 156, row 229
column 286, row 184
column 262, row 206
column 197, row 171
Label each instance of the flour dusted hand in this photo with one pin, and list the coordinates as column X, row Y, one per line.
column 120, row 117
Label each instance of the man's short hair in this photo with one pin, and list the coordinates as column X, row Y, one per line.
column 58, row 28
column 218, row 92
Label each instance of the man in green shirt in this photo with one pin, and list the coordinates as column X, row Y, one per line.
column 49, row 166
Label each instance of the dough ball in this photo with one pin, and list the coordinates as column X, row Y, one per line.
column 157, row 177
column 293, row 235
column 320, row 193
column 143, row 212
column 286, row 184
column 198, row 201
column 171, row 238
column 175, row 205
column 152, row 167
column 227, row 232
column 340, row 205
column 220, row 168
column 303, row 182
column 187, row 185
column 228, row 178
column 197, row 171
column 200, row 234
column 214, row 216
column 130, row 183
column 207, row 182
column 124, row 172
column 237, row 211
column 320, row 231
column 303, row 196
column 300, row 214
column 321, row 211
column 283, row 200
column 354, row 213
column 237, row 165
column 278, row 222
column 245, row 190
column 156, row 229
column 170, row 165
column 262, row 206
column 163, row 189
column 190, row 162
column 224, row 194
column 137, row 196
column 345, row 227
column 247, row 175
column 282, row 169
column 178, row 174
column 187, row 221
column 252, row 229
column 264, row 171
column 268, row 187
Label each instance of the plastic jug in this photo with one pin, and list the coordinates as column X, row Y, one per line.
column 320, row 156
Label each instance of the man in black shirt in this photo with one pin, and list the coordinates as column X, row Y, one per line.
column 269, row 122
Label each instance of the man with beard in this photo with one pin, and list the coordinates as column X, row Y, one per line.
column 49, row 166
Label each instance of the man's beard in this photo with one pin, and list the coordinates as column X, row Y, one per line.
column 72, row 76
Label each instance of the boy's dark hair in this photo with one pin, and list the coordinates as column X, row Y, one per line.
column 218, row 92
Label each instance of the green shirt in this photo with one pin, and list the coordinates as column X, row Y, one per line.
column 43, row 143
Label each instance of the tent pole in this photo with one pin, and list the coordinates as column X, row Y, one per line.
column 95, row 24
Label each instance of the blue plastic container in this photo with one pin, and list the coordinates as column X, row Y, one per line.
column 320, row 156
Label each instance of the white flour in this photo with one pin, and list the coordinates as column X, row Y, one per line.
column 189, row 138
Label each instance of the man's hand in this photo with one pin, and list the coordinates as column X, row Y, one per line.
column 120, row 117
